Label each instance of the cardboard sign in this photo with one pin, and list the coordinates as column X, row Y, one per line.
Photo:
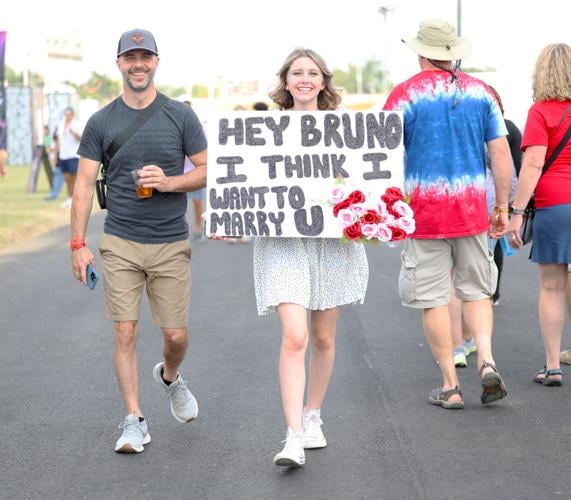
column 271, row 173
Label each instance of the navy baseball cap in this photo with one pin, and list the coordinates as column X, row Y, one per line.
column 137, row 39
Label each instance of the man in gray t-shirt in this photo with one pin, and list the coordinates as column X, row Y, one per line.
column 145, row 242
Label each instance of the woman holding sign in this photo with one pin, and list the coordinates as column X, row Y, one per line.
column 297, row 275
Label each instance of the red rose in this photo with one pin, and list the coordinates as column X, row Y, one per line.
column 353, row 232
column 371, row 217
column 356, row 197
column 398, row 233
column 392, row 195
column 391, row 211
column 340, row 206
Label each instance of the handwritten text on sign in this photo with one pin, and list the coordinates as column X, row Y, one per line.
column 271, row 173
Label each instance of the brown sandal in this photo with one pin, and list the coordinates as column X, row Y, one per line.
column 493, row 387
column 440, row 397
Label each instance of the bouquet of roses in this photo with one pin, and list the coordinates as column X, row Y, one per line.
column 387, row 218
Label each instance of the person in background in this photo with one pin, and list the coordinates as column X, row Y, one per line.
column 260, row 106
column 449, row 119
column 145, row 242
column 464, row 343
column 67, row 137
column 3, row 162
column 565, row 356
column 514, row 142
column 548, row 121
column 297, row 276
column 58, row 179
column 197, row 200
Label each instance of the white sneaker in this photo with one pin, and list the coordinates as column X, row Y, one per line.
column 183, row 404
column 135, row 435
column 460, row 360
column 66, row 204
column 312, row 434
column 292, row 455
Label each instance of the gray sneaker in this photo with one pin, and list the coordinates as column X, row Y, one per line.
column 565, row 357
column 135, row 435
column 183, row 404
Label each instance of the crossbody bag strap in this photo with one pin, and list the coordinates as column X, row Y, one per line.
column 122, row 138
column 561, row 144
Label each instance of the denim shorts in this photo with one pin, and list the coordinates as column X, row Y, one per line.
column 69, row 165
column 197, row 195
column 552, row 235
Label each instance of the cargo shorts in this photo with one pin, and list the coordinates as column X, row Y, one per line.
column 426, row 266
column 163, row 268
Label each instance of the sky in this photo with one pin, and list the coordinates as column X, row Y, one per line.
column 249, row 39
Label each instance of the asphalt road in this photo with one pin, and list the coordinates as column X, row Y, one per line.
column 60, row 407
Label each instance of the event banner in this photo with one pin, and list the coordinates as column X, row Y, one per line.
column 2, row 92
column 278, row 173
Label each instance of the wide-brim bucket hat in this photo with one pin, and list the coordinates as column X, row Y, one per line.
column 437, row 39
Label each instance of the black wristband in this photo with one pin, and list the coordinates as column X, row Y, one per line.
column 517, row 211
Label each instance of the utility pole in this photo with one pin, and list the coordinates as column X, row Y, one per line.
column 459, row 17
column 386, row 8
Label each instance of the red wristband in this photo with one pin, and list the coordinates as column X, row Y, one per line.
column 76, row 244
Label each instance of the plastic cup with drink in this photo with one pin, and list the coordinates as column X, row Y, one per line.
column 142, row 192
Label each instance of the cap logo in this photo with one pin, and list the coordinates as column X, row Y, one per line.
column 137, row 38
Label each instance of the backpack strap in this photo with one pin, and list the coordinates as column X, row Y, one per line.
column 122, row 138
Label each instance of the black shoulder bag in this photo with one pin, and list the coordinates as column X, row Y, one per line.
column 526, row 231
column 101, row 184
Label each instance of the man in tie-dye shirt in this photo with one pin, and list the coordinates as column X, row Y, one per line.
column 449, row 117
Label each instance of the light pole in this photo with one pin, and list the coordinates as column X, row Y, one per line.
column 385, row 9
column 459, row 17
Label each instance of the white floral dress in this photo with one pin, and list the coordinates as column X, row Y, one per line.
column 316, row 273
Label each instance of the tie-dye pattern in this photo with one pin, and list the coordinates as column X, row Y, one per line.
column 445, row 128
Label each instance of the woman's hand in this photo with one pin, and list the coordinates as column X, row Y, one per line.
column 514, row 231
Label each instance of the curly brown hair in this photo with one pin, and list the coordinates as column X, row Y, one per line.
column 328, row 98
column 552, row 76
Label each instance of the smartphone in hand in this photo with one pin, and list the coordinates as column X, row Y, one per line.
column 92, row 276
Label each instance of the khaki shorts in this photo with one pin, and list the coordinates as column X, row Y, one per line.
column 163, row 267
column 424, row 280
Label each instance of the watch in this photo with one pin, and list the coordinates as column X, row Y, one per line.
column 517, row 211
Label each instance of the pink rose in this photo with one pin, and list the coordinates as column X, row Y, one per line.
column 337, row 195
column 407, row 224
column 346, row 217
column 384, row 233
column 403, row 209
column 359, row 209
column 369, row 230
column 387, row 218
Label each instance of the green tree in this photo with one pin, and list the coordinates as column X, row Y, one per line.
column 35, row 79
column 370, row 78
column 170, row 91
column 98, row 86
column 200, row 91
column 14, row 79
